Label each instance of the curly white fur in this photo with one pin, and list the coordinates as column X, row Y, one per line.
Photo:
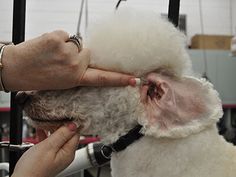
column 141, row 43
column 138, row 36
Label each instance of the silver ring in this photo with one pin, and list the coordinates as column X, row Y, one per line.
column 77, row 40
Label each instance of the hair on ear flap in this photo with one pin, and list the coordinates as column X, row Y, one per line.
column 178, row 107
column 168, row 95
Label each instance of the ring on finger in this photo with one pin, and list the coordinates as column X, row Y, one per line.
column 77, row 40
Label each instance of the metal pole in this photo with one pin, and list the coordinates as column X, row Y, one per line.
column 173, row 12
column 18, row 36
column 118, row 4
column 80, row 16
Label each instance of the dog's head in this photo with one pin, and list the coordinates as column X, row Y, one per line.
column 173, row 103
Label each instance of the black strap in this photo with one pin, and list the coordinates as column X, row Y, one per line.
column 103, row 152
column 125, row 140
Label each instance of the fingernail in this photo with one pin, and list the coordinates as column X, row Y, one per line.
column 132, row 82
column 135, row 82
column 73, row 126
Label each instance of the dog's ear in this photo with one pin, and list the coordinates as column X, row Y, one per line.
column 178, row 107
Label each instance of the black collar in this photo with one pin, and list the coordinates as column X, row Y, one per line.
column 124, row 141
column 102, row 153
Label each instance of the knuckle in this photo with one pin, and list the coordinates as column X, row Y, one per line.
column 64, row 56
column 53, row 39
column 121, row 80
column 101, row 79
column 63, row 136
column 60, row 32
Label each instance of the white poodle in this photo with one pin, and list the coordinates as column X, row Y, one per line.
column 178, row 111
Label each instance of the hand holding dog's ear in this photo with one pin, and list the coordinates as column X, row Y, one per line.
column 51, row 62
column 96, row 77
column 51, row 156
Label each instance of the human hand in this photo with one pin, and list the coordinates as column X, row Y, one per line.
column 51, row 62
column 51, row 156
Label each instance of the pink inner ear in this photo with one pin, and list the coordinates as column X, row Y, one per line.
column 170, row 103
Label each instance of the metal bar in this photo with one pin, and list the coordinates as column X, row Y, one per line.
column 173, row 12
column 16, row 112
column 15, row 147
column 80, row 16
column 86, row 15
column 118, row 4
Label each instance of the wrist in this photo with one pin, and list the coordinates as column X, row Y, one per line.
column 2, row 87
column 9, row 67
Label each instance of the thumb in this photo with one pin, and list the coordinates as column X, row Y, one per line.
column 61, row 136
column 68, row 150
column 71, row 144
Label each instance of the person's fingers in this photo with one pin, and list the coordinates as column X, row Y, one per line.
column 84, row 54
column 96, row 77
column 61, row 136
column 72, row 143
column 69, row 148
column 62, row 34
column 41, row 135
column 71, row 46
column 83, row 62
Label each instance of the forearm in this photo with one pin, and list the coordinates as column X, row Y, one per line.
column 9, row 74
column 1, row 66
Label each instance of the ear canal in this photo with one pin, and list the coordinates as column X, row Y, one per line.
column 173, row 103
column 186, row 105
column 160, row 102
